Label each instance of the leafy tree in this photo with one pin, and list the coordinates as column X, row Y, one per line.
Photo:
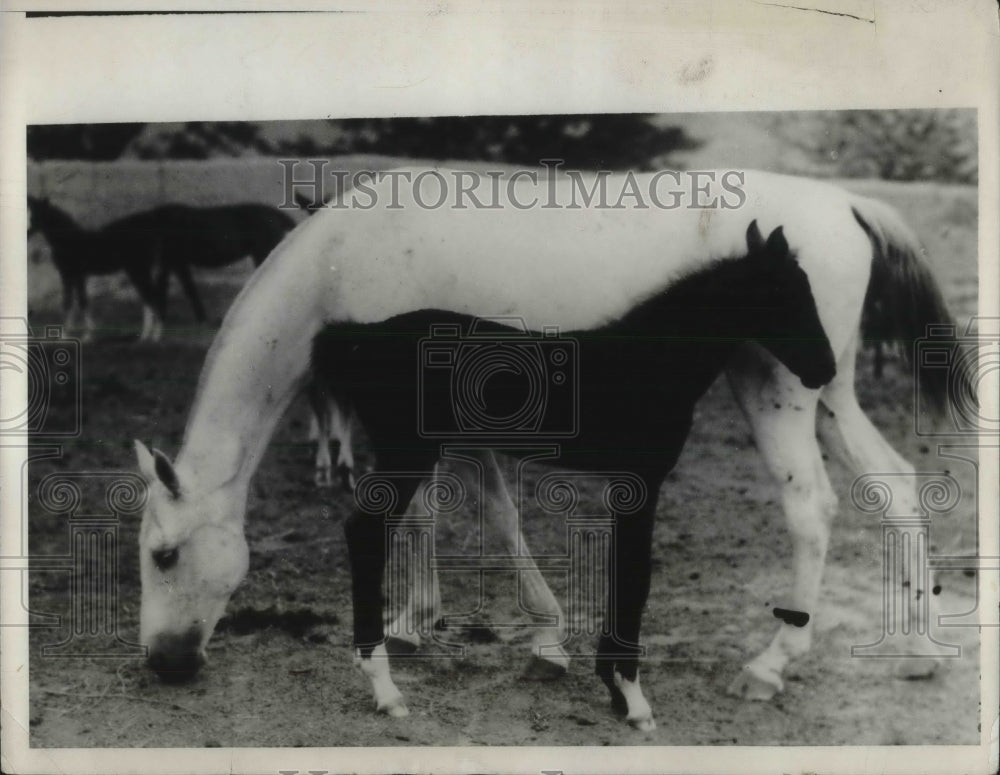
column 101, row 142
column 610, row 141
column 895, row 144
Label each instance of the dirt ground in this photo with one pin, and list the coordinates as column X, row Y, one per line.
column 280, row 670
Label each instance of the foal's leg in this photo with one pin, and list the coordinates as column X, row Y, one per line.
column 366, row 546
column 618, row 651
column 782, row 414
column 187, row 283
column 849, row 434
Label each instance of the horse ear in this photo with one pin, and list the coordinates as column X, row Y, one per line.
column 777, row 245
column 157, row 466
column 755, row 240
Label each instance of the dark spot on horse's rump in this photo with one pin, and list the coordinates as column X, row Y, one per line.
column 937, row 589
column 794, row 618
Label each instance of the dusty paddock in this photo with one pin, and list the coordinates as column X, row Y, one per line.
column 281, row 674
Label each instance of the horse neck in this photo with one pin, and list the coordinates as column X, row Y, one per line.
column 256, row 365
column 60, row 229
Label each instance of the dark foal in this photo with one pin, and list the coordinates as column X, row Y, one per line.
column 639, row 378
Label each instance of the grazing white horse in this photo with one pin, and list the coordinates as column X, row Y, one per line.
column 574, row 268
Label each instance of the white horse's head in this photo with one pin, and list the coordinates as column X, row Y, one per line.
column 192, row 556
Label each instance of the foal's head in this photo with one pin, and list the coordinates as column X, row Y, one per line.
column 37, row 210
column 45, row 217
column 784, row 316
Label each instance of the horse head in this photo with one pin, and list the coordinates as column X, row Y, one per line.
column 192, row 556
column 788, row 323
column 36, row 212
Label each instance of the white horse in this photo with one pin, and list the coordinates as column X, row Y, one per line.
column 574, row 268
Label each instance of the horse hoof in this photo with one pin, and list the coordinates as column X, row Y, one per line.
column 646, row 724
column 396, row 709
column 399, row 646
column 539, row 669
column 752, row 685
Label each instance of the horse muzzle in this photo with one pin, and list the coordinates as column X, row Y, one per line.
column 176, row 658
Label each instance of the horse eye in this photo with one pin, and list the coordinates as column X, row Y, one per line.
column 165, row 559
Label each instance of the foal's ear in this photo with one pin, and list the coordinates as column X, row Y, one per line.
column 755, row 240
column 777, row 245
column 155, row 466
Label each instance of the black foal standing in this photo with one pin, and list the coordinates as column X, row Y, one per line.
column 639, row 379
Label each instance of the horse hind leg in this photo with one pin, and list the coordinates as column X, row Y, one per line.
column 848, row 433
column 782, row 415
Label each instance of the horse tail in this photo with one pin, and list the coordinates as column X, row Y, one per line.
column 903, row 299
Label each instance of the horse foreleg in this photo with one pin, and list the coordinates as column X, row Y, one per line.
column 618, row 650
column 366, row 547
column 849, row 434
column 782, row 415
column 423, row 598
column 340, row 429
column 549, row 660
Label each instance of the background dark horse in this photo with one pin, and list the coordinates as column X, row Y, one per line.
column 153, row 245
